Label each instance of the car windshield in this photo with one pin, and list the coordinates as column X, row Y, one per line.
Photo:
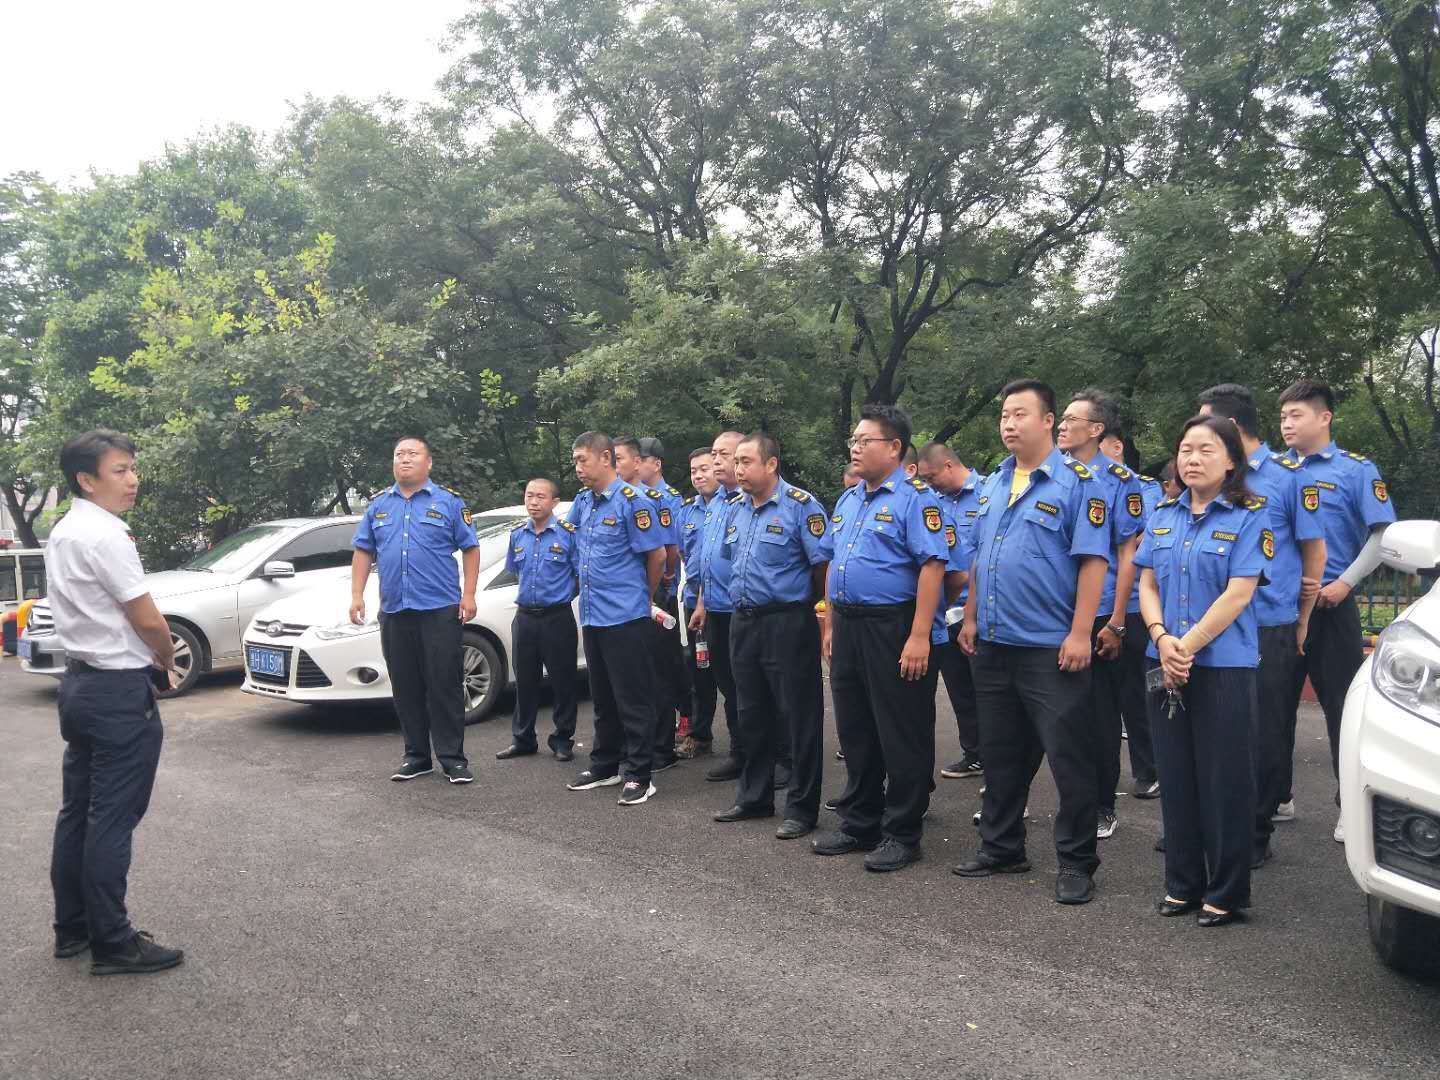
column 238, row 551
column 488, row 525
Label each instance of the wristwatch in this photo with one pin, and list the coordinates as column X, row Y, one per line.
column 1118, row 631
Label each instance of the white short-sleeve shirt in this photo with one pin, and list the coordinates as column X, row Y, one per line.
column 92, row 569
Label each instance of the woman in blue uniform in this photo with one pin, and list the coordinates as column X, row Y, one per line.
column 1202, row 556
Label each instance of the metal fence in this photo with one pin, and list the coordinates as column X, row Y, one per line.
column 1384, row 595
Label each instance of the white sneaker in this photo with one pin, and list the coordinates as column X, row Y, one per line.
column 1339, row 830
column 1105, row 826
column 1284, row 812
column 975, row 820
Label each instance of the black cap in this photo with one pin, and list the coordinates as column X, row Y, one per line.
column 651, row 447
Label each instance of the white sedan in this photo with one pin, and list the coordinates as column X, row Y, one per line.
column 305, row 649
column 1390, row 768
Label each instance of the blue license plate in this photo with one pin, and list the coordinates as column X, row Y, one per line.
column 24, row 649
column 265, row 661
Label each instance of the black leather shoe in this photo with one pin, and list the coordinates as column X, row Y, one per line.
column 138, row 956
column 984, row 866
column 790, row 829
column 1160, row 844
column 564, row 755
column 840, row 843
column 513, row 751
column 832, row 804
column 1073, row 887
column 892, row 855
column 1171, row 908
column 68, row 945
column 739, row 813
column 1219, row 918
column 729, row 769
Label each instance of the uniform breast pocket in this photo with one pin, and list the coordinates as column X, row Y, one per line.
column 1212, row 562
column 609, row 538
column 772, row 548
column 882, row 539
column 434, row 533
column 1163, row 558
column 1044, row 538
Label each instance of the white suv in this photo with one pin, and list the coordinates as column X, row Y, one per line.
column 1390, row 768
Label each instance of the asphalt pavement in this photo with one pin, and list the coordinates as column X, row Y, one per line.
column 340, row 925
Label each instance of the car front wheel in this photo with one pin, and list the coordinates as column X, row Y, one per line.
column 1406, row 940
column 189, row 657
column 482, row 676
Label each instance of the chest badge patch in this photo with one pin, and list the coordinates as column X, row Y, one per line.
column 1310, row 498
column 933, row 521
column 665, row 517
column 642, row 520
column 1221, row 535
column 1135, row 504
column 1051, row 508
column 950, row 536
column 1096, row 512
column 775, row 527
column 434, row 515
column 884, row 515
column 559, row 549
column 1267, row 543
column 1381, row 494
column 816, row 524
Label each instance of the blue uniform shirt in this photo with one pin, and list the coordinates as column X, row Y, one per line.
column 1293, row 502
column 771, row 547
column 1194, row 558
column 414, row 542
column 544, row 562
column 715, row 571
column 1125, row 503
column 1152, row 494
column 1353, row 499
column 692, row 531
column 962, row 509
column 615, row 529
column 879, row 540
column 1027, row 555
column 670, row 502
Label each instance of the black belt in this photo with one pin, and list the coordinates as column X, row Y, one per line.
column 80, row 667
column 770, row 609
column 875, row 611
column 548, row 609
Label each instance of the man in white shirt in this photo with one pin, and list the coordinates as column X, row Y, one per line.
column 118, row 647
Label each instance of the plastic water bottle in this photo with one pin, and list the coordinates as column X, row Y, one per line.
column 702, row 653
column 663, row 617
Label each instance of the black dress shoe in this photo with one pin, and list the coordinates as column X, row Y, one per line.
column 138, row 956
column 790, row 829
column 68, row 944
column 1074, row 887
column 840, row 843
column 564, row 755
column 1219, row 918
column 729, row 769
column 513, row 751
column 983, row 866
column 1160, row 844
column 1171, row 908
column 740, row 813
column 832, row 804
column 892, row 855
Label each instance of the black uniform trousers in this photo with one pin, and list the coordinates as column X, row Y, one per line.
column 960, row 689
column 776, row 655
column 672, row 692
column 1133, row 708
column 622, row 678
column 1206, row 755
column 886, row 723
column 1334, row 651
column 1106, row 677
column 717, row 634
column 1275, row 708
column 704, row 693
column 544, row 637
column 1030, row 709
column 422, row 653
column 112, row 735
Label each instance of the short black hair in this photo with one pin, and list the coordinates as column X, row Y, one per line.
column 701, row 451
column 630, row 442
column 1043, row 390
column 766, row 444
column 1233, row 402
column 555, row 487
column 594, row 440
column 892, row 421
column 1105, row 407
column 937, row 454
column 82, row 454
column 421, row 439
column 1308, row 391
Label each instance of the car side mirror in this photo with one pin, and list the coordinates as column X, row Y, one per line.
column 1411, row 546
column 278, row 569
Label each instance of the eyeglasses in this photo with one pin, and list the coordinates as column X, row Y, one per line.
column 1067, row 420
column 865, row 440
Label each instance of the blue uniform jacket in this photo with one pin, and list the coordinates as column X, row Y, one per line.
column 414, row 542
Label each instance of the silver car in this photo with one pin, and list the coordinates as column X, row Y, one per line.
column 210, row 600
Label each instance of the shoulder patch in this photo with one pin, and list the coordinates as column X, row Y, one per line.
column 567, row 526
column 816, row 524
column 1166, row 502
column 1096, row 512
column 628, row 491
column 672, row 490
column 689, row 502
column 652, row 493
column 1080, row 470
column 798, row 495
column 1267, row 543
column 918, row 484
column 735, row 497
column 1254, row 502
column 452, row 491
column 1353, row 456
column 1282, row 460
column 466, row 516
column 1120, row 471
column 1377, row 486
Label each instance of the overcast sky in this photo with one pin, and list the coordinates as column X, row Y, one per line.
column 85, row 83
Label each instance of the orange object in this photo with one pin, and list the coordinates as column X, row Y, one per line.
column 22, row 615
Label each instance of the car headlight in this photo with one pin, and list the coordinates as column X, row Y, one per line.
column 1406, row 670
column 345, row 630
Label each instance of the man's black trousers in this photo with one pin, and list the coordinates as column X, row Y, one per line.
column 704, row 693
column 1206, row 754
column 622, row 689
column 886, row 723
column 1030, row 709
column 112, row 735
column 960, row 689
column 776, row 657
column 422, row 653
column 717, row 635
column 1276, row 703
column 1334, row 651
column 544, row 637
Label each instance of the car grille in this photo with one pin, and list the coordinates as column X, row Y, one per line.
column 308, row 675
column 268, row 679
column 1394, row 848
column 283, row 630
